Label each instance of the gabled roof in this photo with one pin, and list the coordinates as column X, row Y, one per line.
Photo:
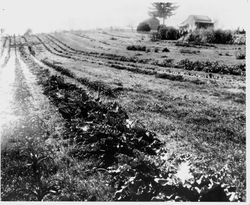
column 152, row 20
column 196, row 19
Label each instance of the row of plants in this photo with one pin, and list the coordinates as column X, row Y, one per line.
column 146, row 71
column 168, row 76
column 209, row 67
column 145, row 49
column 213, row 67
column 116, row 66
column 95, row 85
column 108, row 56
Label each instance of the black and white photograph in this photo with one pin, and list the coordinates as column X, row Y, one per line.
column 123, row 100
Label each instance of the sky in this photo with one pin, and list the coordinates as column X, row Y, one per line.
column 16, row 16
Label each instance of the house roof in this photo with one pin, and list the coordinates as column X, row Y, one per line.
column 152, row 20
column 196, row 19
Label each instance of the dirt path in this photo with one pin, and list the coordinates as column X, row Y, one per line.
column 21, row 97
column 7, row 78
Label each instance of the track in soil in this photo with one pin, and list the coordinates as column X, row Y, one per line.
column 21, row 97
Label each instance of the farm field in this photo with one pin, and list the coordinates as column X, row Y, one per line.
column 85, row 118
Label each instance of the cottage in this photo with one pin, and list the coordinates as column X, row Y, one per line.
column 195, row 22
column 153, row 23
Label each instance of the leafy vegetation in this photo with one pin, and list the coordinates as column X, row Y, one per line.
column 143, row 27
column 165, row 33
column 213, row 67
column 136, row 48
column 240, row 54
column 96, row 85
column 168, row 33
column 210, row 36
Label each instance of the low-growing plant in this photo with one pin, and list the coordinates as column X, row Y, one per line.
column 213, row 67
column 136, row 48
column 240, row 55
column 189, row 51
column 155, row 36
column 165, row 49
column 169, row 76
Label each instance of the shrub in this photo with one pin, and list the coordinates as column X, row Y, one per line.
column 210, row 36
column 240, row 55
column 143, row 27
column 165, row 50
column 136, row 48
column 155, row 36
column 239, row 39
column 223, row 37
column 168, row 33
column 169, row 76
column 156, row 50
column 172, row 33
column 189, row 51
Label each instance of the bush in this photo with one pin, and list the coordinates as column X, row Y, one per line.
column 168, row 33
column 223, row 37
column 189, row 51
column 143, row 27
column 239, row 39
column 240, row 55
column 169, row 76
column 137, row 48
column 165, row 50
column 155, row 36
column 156, row 50
column 210, row 36
column 172, row 33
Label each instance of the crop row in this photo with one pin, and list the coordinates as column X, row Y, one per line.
column 209, row 67
column 95, row 85
column 124, row 67
column 213, row 67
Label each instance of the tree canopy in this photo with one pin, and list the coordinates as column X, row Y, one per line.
column 162, row 10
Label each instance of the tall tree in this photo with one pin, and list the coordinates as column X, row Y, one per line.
column 162, row 10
